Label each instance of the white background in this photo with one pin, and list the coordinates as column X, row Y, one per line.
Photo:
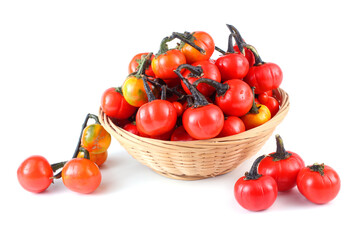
column 57, row 58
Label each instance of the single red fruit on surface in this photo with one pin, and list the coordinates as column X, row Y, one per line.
column 35, row 174
column 255, row 192
column 319, row 183
column 81, row 175
column 282, row 165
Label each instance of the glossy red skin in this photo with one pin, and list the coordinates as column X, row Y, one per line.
column 204, row 41
column 133, row 65
column 179, row 108
column 210, row 71
column 131, row 127
column 316, row 188
column 34, row 174
column 263, row 98
column 232, row 125
column 264, row 77
column 180, row 134
column 203, row 122
column 248, row 54
column 271, row 103
column 283, row 171
column 114, row 105
column 156, row 118
column 165, row 64
column 256, row 195
column 232, row 66
column 238, row 99
column 269, row 93
column 81, row 175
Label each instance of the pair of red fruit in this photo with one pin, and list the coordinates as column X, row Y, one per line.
column 281, row 171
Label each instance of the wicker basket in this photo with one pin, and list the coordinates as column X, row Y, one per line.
column 199, row 159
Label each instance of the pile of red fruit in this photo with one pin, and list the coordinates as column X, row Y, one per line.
column 183, row 94
column 280, row 171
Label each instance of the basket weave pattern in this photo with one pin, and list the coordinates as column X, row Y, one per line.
column 199, row 159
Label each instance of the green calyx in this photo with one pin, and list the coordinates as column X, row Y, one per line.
column 164, row 46
column 317, row 168
column 186, row 35
column 144, row 63
column 86, row 153
column 187, row 38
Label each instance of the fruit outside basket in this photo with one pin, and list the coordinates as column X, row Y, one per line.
column 193, row 160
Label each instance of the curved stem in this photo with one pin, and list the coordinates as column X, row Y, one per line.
column 230, row 44
column 163, row 45
column 158, row 84
column 199, row 99
column 86, row 152
column 149, row 93
column 220, row 50
column 254, row 109
column 189, row 39
column 94, row 117
column 190, row 100
column 57, row 166
column 88, row 116
column 280, row 153
column 163, row 92
column 253, row 173
column 196, row 71
column 238, row 39
column 144, row 63
column 119, row 90
column 221, row 88
column 236, row 32
column 258, row 60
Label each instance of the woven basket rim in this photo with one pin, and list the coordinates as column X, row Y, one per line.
column 279, row 93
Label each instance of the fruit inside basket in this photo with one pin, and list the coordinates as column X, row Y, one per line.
column 187, row 115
